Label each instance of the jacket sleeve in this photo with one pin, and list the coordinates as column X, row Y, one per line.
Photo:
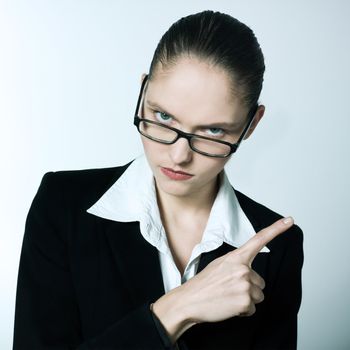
column 279, row 321
column 47, row 314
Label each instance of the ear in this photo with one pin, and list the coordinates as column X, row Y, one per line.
column 143, row 77
column 258, row 115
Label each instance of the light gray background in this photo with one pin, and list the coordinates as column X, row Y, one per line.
column 69, row 78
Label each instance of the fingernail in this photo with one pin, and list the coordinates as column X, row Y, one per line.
column 288, row 220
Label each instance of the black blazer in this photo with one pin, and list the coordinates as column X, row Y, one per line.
column 85, row 282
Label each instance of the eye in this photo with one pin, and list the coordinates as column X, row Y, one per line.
column 215, row 132
column 162, row 117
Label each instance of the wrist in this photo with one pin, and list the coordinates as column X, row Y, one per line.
column 172, row 312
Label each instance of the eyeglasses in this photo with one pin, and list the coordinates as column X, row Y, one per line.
column 206, row 146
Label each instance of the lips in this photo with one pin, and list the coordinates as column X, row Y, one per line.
column 175, row 175
column 178, row 172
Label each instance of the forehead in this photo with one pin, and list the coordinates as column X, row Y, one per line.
column 195, row 92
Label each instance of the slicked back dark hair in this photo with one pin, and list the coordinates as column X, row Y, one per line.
column 222, row 41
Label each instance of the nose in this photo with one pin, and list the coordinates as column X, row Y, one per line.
column 180, row 151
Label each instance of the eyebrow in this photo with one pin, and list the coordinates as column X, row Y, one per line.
column 224, row 125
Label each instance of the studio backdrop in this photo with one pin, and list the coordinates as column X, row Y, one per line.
column 70, row 73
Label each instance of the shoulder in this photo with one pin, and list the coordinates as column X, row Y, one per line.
column 261, row 216
column 84, row 185
column 62, row 198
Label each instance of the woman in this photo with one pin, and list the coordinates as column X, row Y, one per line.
column 162, row 252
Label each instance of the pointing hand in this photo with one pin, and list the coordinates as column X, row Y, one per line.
column 228, row 286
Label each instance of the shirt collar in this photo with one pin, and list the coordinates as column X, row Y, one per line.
column 130, row 199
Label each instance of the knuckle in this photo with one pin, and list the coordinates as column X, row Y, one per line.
column 260, row 236
column 246, row 303
column 262, row 297
column 244, row 272
column 226, row 260
column 259, row 297
column 231, row 255
column 248, row 311
column 251, row 310
column 245, row 287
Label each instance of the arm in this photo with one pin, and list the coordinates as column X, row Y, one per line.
column 47, row 314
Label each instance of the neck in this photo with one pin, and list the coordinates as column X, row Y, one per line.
column 196, row 204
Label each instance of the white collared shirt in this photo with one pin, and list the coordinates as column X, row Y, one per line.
column 133, row 198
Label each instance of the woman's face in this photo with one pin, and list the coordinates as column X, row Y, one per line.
column 195, row 98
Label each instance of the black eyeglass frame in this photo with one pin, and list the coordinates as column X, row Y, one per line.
column 190, row 136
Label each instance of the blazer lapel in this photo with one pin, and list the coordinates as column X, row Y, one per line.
column 250, row 208
column 136, row 259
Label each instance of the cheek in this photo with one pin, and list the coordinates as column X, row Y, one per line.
column 152, row 149
column 212, row 167
column 147, row 145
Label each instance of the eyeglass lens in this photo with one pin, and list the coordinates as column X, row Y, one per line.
column 163, row 134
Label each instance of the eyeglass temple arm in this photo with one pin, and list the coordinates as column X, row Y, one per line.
column 140, row 94
column 251, row 116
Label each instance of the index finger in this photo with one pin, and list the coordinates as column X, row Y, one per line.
column 250, row 249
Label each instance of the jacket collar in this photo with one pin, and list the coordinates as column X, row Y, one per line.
column 130, row 199
column 138, row 261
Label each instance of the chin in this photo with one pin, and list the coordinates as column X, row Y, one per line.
column 174, row 188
